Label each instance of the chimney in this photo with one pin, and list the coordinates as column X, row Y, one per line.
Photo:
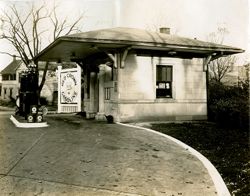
column 14, row 57
column 165, row 30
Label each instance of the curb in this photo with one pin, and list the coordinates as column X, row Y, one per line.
column 27, row 125
column 219, row 184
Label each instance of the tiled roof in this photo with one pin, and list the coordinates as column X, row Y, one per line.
column 12, row 67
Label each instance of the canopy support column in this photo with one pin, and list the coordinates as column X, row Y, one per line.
column 101, row 113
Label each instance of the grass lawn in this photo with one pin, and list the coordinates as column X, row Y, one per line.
column 226, row 148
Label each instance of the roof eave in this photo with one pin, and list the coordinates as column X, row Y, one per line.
column 137, row 43
column 142, row 45
column 50, row 46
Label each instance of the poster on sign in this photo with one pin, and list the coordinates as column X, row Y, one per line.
column 69, row 87
column 69, row 90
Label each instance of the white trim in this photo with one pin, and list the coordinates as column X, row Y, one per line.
column 219, row 184
column 59, row 70
column 27, row 125
column 79, row 102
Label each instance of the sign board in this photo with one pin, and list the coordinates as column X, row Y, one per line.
column 69, row 90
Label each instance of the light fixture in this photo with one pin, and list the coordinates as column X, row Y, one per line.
column 172, row 52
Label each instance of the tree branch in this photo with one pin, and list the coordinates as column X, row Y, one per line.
column 22, row 29
column 24, row 32
column 220, row 67
column 7, row 53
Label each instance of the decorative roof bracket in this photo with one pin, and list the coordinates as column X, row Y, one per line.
column 206, row 61
column 210, row 58
column 112, row 57
column 124, row 56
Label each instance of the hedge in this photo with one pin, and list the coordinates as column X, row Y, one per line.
column 229, row 105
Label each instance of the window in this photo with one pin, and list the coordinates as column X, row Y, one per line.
column 107, row 93
column 4, row 92
column 164, row 78
column 11, row 92
column 5, row 77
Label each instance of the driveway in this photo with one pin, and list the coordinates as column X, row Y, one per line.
column 74, row 156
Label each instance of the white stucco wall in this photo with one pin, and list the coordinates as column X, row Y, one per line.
column 138, row 95
column 137, row 79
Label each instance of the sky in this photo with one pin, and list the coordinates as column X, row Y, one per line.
column 187, row 18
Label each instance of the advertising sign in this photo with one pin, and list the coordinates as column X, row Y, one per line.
column 69, row 87
column 69, row 90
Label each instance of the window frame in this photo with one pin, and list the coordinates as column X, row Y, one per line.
column 167, row 81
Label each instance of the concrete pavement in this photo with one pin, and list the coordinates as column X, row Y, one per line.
column 74, row 156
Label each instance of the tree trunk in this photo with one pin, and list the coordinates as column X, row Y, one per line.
column 40, row 87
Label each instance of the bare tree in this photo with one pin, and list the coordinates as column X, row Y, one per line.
column 218, row 68
column 27, row 30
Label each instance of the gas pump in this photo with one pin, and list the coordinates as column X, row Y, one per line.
column 27, row 102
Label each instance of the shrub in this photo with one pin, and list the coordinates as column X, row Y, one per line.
column 229, row 105
column 7, row 103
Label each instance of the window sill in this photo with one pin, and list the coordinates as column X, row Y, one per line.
column 165, row 100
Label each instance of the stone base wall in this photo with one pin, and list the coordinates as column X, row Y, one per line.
column 162, row 111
